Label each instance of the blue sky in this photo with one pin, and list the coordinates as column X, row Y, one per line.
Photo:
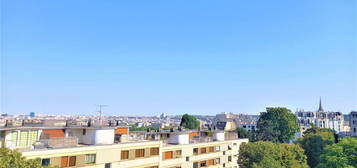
column 198, row 57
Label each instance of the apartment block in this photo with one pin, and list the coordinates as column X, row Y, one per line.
column 115, row 147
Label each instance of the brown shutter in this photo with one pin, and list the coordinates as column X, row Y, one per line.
column 124, row 155
column 154, row 151
column 139, row 153
column 210, row 162
column 211, row 149
column 64, row 161
column 72, row 161
column 168, row 155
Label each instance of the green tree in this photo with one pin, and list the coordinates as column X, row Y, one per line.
column 277, row 124
column 145, row 128
column 189, row 122
column 242, row 133
column 314, row 141
column 13, row 159
column 340, row 155
column 271, row 155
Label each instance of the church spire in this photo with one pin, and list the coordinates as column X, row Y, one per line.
column 320, row 106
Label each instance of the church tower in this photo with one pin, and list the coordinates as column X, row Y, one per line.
column 320, row 107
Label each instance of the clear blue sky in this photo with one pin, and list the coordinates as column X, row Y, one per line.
column 200, row 57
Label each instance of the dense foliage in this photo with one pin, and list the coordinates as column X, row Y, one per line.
column 271, row 155
column 277, row 124
column 189, row 122
column 314, row 141
column 13, row 159
column 144, row 128
column 242, row 133
column 340, row 155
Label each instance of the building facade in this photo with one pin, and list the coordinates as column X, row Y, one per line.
column 230, row 122
column 321, row 119
column 353, row 123
column 115, row 147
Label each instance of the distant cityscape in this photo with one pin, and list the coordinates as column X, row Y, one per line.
column 146, row 141
column 343, row 124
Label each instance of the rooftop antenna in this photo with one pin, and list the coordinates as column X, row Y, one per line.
column 100, row 112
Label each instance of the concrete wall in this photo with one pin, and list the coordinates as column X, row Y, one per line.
column 93, row 136
column 111, row 154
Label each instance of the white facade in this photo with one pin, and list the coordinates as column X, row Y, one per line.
column 92, row 136
column 331, row 120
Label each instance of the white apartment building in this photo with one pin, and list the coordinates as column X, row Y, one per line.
column 114, row 147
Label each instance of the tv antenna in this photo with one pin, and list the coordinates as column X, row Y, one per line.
column 100, row 112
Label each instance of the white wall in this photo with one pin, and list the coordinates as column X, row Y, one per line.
column 93, row 136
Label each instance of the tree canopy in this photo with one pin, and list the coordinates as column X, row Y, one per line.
column 314, row 141
column 267, row 155
column 189, row 122
column 242, row 133
column 10, row 158
column 340, row 155
column 277, row 124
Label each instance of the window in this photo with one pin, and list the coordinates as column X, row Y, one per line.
column 178, row 153
column 124, row 155
column 195, row 151
column 168, row 155
column 203, row 150
column 217, row 148
column 23, row 138
column 354, row 129
column 108, row 165
column 139, row 153
column 211, row 149
column 84, row 132
column 217, row 161
column 210, row 162
column 203, row 164
column 187, row 159
column 72, row 161
column 224, row 152
column 154, row 151
column 64, row 161
column 229, row 158
column 90, row 158
column 195, row 165
column 46, row 162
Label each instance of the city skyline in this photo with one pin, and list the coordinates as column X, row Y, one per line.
column 177, row 57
